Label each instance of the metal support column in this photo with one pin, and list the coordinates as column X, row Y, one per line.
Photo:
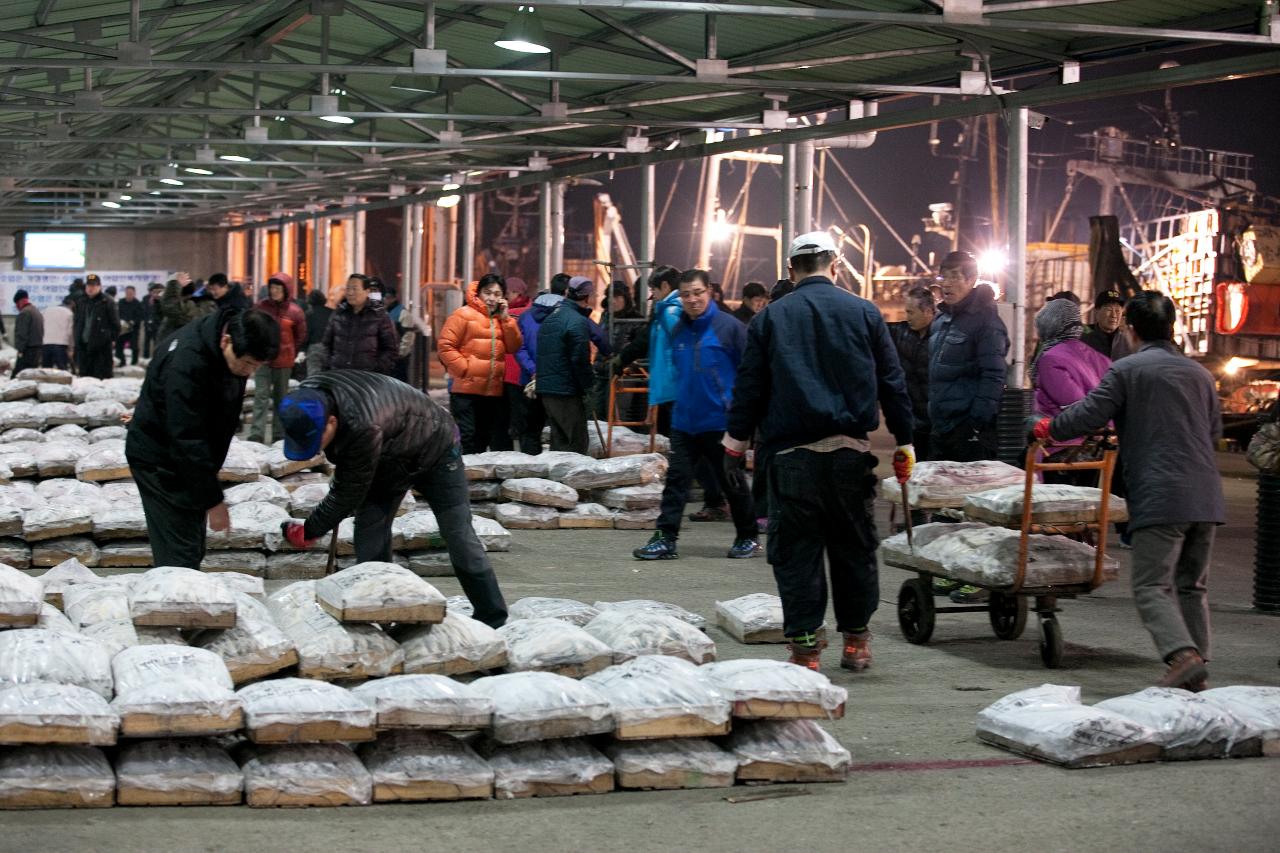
column 1017, row 231
column 288, row 253
column 408, row 285
column 259, row 261
column 417, row 222
column 648, row 235
column 323, row 227
column 348, row 246
column 357, row 262
column 544, row 237
column 468, row 238
column 557, row 227
column 804, row 187
column 788, row 203
column 710, row 205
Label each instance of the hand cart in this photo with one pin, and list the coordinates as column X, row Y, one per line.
column 1008, row 605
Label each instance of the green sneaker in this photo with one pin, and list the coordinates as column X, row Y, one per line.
column 970, row 594
column 944, row 586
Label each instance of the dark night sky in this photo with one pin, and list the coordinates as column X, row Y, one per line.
column 901, row 178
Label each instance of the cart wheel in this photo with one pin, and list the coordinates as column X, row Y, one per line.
column 1050, row 642
column 1008, row 615
column 915, row 611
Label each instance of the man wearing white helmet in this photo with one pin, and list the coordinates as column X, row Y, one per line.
column 815, row 366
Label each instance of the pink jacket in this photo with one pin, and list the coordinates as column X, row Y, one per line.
column 1065, row 374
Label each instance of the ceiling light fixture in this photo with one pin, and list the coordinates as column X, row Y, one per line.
column 448, row 201
column 111, row 204
column 126, row 197
column 173, row 182
column 196, row 170
column 338, row 119
column 236, row 158
column 523, row 33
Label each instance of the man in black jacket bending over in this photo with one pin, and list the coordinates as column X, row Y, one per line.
column 384, row 437
column 187, row 412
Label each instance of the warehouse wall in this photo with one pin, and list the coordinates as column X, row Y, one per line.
column 199, row 252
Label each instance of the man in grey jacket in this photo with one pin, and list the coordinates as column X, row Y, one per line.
column 28, row 334
column 1165, row 408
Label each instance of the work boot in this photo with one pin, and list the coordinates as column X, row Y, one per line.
column 1186, row 668
column 944, row 586
column 969, row 594
column 711, row 513
column 857, row 651
column 806, row 651
column 743, row 549
column 659, row 547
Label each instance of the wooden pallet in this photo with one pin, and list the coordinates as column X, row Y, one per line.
column 128, row 795
column 404, row 718
column 186, row 618
column 417, row 613
column 271, row 798
column 318, row 731
column 577, row 670
column 15, row 733
column 55, row 800
column 601, row 784
column 590, row 523
column 424, row 791
column 1132, row 755
column 767, row 709
column 459, row 666
column 356, row 672
column 772, row 771
column 672, row 780
column 19, row 620
column 198, row 724
column 684, row 725
column 524, row 732
column 240, row 673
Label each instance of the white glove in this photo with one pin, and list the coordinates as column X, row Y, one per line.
column 300, row 358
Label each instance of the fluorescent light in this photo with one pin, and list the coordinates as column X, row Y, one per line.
column 155, row 192
column 523, row 33
column 236, row 158
column 448, row 201
column 111, row 204
column 197, row 171
column 173, row 182
column 126, row 197
column 338, row 119
column 450, row 185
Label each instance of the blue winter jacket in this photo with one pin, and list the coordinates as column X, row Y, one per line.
column 967, row 346
column 816, row 364
column 705, row 353
column 662, row 380
column 530, row 320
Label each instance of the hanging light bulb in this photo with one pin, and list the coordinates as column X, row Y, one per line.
column 523, row 33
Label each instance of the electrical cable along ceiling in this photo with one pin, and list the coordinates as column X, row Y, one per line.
column 205, row 112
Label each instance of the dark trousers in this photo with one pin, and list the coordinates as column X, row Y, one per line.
column 445, row 489
column 29, row 357
column 475, row 415
column 528, row 417
column 55, row 355
column 130, row 338
column 96, row 361
column 965, row 444
column 687, row 449
column 149, row 340
column 176, row 533
column 568, row 419
column 823, row 502
column 504, row 434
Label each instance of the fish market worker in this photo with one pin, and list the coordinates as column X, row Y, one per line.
column 384, row 437
column 188, row 410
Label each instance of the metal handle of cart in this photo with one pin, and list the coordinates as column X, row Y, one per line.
column 1106, row 466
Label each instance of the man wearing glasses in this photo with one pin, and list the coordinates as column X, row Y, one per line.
column 706, row 347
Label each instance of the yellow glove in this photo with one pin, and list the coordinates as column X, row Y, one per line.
column 904, row 462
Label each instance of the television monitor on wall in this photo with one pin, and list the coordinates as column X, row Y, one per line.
column 53, row 250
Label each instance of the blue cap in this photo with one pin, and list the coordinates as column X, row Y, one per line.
column 303, row 414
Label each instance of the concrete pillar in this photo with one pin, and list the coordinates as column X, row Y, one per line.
column 803, row 221
column 648, row 236
column 1017, row 239
column 323, row 274
column 788, row 204
column 259, row 257
column 358, row 244
column 557, row 227
column 468, row 267
column 416, row 216
column 544, row 237
column 408, row 287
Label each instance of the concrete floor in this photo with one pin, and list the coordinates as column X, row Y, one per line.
column 921, row 782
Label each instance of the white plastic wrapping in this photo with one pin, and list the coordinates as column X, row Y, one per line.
column 56, row 520
column 644, row 605
column 460, row 605
column 787, row 751
column 20, row 414
column 586, row 516
column 18, row 389
column 896, row 551
column 166, row 691
column 132, row 553
column 483, row 490
column 379, row 592
column 753, row 618
column 242, row 582
column 55, row 777
column 648, row 496
column 115, row 634
column 492, row 535
column 934, row 485
column 1256, row 707
column 254, row 524
column 89, row 496
column 11, row 520
column 263, row 489
column 625, row 442
column 241, row 464
column 1186, row 725
column 51, row 619
column 96, row 601
column 326, row 647
column 100, row 413
column 247, row 563
column 613, row 473
column 255, row 647
column 56, row 392
column 1048, row 722
column 58, row 458
column 324, row 774
column 455, row 646
column 631, row 634
column 302, row 710
column 1051, row 503
column 509, row 464
column 123, row 521
column 520, row 516
column 53, row 551
column 540, row 492
column 55, row 414
column 674, row 763
column 774, row 689
column 43, row 712
column 541, row 705
column 177, row 772
column 16, row 553
column 565, row 609
column 424, row 765
column 21, row 597
column 552, row 645
column 416, row 531
column 548, row 769
column 296, row 565
column 104, row 461
column 306, row 497
column 31, row 654
column 183, row 598
column 281, row 465
column 659, row 697
column 45, row 374
column 425, row 702
column 989, row 557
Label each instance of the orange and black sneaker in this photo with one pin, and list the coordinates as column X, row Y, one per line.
column 857, row 651
column 806, row 651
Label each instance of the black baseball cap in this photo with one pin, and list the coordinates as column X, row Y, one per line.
column 1108, row 297
column 303, row 414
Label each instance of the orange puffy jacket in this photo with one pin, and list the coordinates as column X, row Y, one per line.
column 473, row 347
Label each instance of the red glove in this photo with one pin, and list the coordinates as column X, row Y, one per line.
column 1041, row 431
column 293, row 532
column 904, row 462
